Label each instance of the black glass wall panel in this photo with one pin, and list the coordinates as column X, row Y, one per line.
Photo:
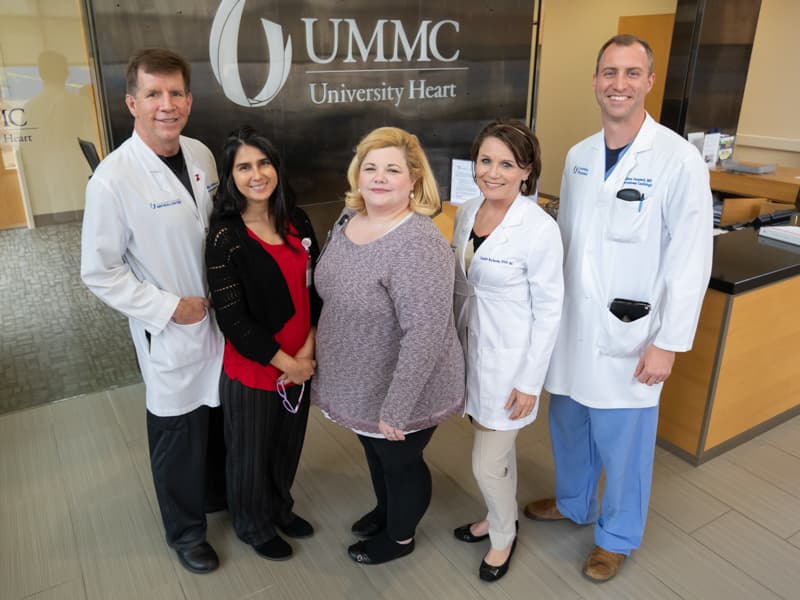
column 439, row 69
column 710, row 54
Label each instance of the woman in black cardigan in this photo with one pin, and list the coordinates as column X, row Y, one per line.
column 259, row 257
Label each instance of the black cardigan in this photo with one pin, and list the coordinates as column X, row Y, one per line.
column 248, row 290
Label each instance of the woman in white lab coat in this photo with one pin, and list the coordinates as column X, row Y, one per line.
column 508, row 296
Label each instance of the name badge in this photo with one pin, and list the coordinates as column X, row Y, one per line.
column 306, row 243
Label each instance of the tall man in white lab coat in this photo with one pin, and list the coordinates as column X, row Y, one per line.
column 636, row 221
column 144, row 227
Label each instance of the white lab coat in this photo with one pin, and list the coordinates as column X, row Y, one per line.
column 657, row 251
column 508, row 308
column 141, row 251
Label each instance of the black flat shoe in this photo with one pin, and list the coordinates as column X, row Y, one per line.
column 297, row 528
column 276, row 548
column 361, row 553
column 368, row 526
column 463, row 534
column 199, row 559
column 490, row 573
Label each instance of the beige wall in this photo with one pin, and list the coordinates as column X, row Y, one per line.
column 769, row 124
column 572, row 32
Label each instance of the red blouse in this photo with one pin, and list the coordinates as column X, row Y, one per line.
column 292, row 259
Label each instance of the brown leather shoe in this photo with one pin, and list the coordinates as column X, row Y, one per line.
column 543, row 510
column 602, row 565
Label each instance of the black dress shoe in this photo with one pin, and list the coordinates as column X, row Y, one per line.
column 276, row 548
column 360, row 552
column 369, row 525
column 463, row 534
column 199, row 559
column 490, row 573
column 297, row 528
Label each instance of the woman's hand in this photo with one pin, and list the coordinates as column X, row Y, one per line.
column 391, row 433
column 296, row 369
column 299, row 371
column 522, row 404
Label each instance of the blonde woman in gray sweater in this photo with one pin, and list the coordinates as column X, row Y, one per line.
column 389, row 363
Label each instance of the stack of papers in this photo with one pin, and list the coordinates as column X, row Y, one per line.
column 783, row 233
column 717, row 213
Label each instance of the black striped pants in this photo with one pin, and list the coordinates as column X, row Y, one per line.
column 263, row 442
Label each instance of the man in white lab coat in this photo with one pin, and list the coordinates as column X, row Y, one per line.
column 144, row 228
column 636, row 221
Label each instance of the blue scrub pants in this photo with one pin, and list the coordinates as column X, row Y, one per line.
column 619, row 440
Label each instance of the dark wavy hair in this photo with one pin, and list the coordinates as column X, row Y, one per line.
column 522, row 143
column 228, row 200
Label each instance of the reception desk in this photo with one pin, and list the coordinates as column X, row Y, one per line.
column 741, row 376
column 781, row 186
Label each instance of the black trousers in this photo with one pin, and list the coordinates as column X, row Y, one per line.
column 264, row 442
column 187, row 459
column 401, row 480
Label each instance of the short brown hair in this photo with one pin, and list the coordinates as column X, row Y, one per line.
column 626, row 39
column 522, row 143
column 425, row 200
column 156, row 61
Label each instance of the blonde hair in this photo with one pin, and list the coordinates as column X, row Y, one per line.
column 425, row 200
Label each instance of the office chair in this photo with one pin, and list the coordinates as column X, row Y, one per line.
column 90, row 152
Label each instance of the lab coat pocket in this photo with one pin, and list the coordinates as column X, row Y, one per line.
column 627, row 221
column 620, row 338
column 179, row 346
column 497, row 370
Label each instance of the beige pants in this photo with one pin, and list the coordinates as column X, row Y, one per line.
column 494, row 464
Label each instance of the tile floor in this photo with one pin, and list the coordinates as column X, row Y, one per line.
column 78, row 520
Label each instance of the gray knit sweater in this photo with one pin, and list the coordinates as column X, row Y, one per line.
column 386, row 342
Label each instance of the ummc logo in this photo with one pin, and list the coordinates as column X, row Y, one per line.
column 10, row 118
column 426, row 40
column 225, row 57
column 577, row 170
column 388, row 42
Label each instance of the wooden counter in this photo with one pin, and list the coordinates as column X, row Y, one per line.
column 446, row 220
column 740, row 378
column 781, row 186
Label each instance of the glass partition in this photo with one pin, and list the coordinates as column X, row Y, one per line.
column 56, row 339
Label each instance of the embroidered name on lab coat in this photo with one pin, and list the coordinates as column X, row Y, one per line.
column 499, row 261
column 580, row 170
column 642, row 181
column 166, row 203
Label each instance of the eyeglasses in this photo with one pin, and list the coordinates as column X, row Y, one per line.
column 287, row 404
